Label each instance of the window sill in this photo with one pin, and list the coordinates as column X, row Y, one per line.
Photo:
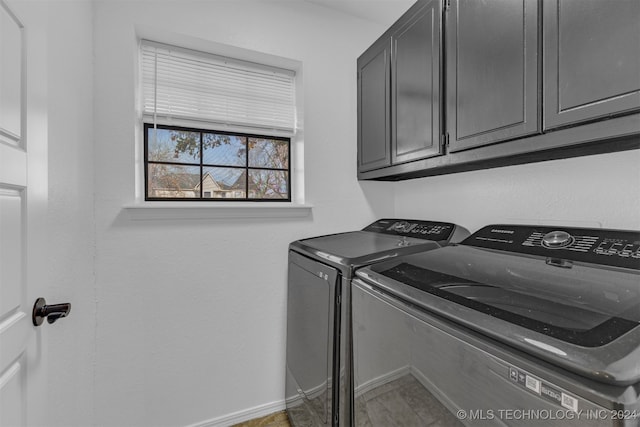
column 215, row 210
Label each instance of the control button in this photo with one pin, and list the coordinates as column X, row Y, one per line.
column 626, row 251
column 615, row 248
column 603, row 248
column 557, row 240
column 401, row 226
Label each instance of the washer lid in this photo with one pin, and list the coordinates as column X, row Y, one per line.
column 583, row 305
column 583, row 316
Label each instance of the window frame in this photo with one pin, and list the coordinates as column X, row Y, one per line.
column 147, row 126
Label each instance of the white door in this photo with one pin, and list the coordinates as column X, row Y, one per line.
column 23, row 204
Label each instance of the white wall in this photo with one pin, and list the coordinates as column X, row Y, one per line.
column 71, row 242
column 191, row 313
column 599, row 190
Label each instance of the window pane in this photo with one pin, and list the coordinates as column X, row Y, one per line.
column 268, row 184
column 173, row 146
column 224, row 183
column 219, row 149
column 268, row 153
column 173, row 181
column 203, row 164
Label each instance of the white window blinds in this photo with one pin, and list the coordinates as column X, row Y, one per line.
column 188, row 85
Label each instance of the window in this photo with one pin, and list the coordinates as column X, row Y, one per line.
column 197, row 164
column 215, row 128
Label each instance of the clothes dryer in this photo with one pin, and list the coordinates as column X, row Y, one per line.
column 318, row 370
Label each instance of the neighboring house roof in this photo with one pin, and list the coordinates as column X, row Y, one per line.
column 240, row 183
column 190, row 182
column 178, row 181
column 210, row 184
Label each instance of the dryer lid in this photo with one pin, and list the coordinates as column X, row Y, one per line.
column 381, row 239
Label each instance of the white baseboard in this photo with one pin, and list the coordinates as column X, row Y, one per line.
column 435, row 391
column 381, row 380
column 312, row 393
column 242, row 416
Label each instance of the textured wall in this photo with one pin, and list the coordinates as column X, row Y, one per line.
column 600, row 190
column 71, row 242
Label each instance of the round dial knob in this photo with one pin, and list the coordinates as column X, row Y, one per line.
column 557, row 239
column 402, row 226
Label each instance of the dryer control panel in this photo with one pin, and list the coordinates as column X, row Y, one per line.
column 618, row 248
column 428, row 230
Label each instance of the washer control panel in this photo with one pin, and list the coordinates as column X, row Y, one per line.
column 619, row 248
column 427, row 230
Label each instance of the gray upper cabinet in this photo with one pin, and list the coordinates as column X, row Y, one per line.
column 415, row 90
column 374, row 106
column 500, row 82
column 591, row 60
column 399, row 86
column 492, row 71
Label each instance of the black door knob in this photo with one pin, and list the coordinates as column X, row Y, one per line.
column 52, row 312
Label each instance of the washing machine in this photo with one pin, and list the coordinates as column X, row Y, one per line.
column 320, row 269
column 516, row 325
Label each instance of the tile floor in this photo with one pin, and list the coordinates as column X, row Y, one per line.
column 279, row 419
column 403, row 402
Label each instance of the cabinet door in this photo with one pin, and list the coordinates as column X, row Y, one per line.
column 415, row 84
column 492, row 71
column 592, row 60
column 374, row 127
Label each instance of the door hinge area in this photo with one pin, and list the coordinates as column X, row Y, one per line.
column 446, row 4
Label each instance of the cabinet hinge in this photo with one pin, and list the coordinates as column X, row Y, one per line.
column 445, row 139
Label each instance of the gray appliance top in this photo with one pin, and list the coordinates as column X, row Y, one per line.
column 570, row 296
column 385, row 238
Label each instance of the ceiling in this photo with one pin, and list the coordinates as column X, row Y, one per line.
column 384, row 12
